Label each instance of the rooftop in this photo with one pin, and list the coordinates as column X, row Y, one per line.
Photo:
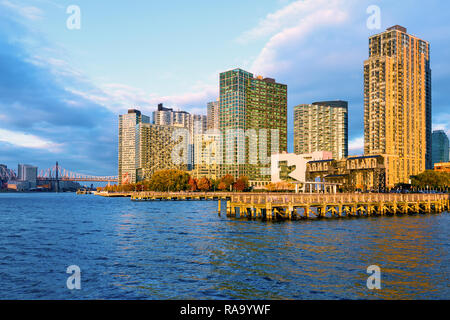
column 397, row 27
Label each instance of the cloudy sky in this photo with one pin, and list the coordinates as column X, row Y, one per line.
column 62, row 89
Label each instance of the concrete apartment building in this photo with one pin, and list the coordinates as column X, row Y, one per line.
column 195, row 124
column 213, row 122
column 160, row 148
column 146, row 147
column 321, row 126
column 128, row 148
column 207, row 155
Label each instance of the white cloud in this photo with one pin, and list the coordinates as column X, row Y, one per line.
column 442, row 122
column 119, row 97
column 28, row 141
column 292, row 25
column 356, row 146
column 28, row 12
column 292, row 15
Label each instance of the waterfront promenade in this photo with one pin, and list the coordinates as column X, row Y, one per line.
column 289, row 206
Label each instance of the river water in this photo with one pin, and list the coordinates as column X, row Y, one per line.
column 184, row 250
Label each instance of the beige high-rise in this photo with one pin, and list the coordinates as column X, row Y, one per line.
column 321, row 126
column 213, row 115
column 397, row 103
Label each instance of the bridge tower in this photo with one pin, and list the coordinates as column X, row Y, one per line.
column 57, row 178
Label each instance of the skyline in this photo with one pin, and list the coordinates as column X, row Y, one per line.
column 71, row 115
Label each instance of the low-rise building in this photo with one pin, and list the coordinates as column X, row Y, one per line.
column 367, row 173
column 291, row 167
column 442, row 167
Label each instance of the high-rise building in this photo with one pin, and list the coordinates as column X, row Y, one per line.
column 207, row 155
column 321, row 126
column 146, row 147
column 195, row 124
column 440, row 145
column 213, row 115
column 266, row 125
column 160, row 148
column 27, row 173
column 168, row 117
column 128, row 147
column 253, row 123
column 397, row 103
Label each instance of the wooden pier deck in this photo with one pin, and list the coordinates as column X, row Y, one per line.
column 273, row 206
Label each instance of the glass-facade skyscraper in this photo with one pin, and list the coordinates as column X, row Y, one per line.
column 440, row 145
column 253, row 122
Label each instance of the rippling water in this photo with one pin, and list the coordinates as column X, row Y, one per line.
column 184, row 250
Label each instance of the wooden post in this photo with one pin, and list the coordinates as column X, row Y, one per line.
column 290, row 210
column 269, row 211
column 381, row 208
column 323, row 211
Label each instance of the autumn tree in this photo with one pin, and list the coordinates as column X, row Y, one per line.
column 222, row 186
column 241, row 184
column 193, row 184
column 225, row 182
column 169, row 180
column 204, row 184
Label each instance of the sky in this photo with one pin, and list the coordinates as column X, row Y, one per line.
column 62, row 89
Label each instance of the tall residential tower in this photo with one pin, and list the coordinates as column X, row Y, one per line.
column 128, row 146
column 321, row 126
column 145, row 148
column 397, row 103
column 213, row 115
column 253, row 122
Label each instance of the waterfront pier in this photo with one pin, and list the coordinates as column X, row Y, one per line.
column 289, row 206
column 313, row 206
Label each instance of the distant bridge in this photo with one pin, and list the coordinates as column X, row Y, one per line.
column 6, row 174
column 57, row 173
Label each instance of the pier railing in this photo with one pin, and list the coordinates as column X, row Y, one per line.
column 334, row 198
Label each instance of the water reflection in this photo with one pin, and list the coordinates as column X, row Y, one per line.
column 177, row 250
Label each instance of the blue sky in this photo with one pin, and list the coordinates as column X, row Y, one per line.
column 61, row 90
